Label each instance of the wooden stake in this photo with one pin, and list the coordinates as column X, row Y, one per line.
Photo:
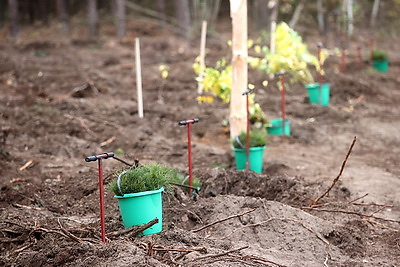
column 272, row 41
column 237, row 118
column 202, row 55
column 138, row 78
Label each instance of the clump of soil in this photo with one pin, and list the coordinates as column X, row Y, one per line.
column 62, row 101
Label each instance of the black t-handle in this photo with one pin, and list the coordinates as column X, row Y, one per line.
column 189, row 121
column 248, row 91
column 101, row 156
column 280, row 73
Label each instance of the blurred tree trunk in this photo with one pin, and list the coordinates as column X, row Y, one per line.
column 274, row 10
column 238, row 111
column 350, row 17
column 296, row 14
column 93, row 19
column 43, row 10
column 320, row 17
column 13, row 15
column 260, row 14
column 63, row 15
column 120, row 17
column 374, row 13
column 183, row 15
column 161, row 9
column 2, row 12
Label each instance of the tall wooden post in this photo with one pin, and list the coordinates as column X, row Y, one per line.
column 237, row 116
column 93, row 19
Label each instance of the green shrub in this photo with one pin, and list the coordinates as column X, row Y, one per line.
column 144, row 178
column 379, row 55
column 258, row 137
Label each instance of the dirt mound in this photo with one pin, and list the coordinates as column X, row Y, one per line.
column 291, row 190
column 62, row 102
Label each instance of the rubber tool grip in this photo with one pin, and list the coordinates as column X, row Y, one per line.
column 188, row 121
column 280, row 73
column 101, row 156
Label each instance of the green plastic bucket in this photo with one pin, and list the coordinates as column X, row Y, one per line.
column 140, row 208
column 275, row 127
column 318, row 95
column 381, row 65
column 256, row 158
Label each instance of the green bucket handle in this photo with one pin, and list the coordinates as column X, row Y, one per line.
column 119, row 181
column 238, row 141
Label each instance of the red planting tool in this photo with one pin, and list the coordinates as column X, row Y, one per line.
column 371, row 47
column 99, row 158
column 281, row 74
column 188, row 122
column 343, row 61
column 360, row 62
column 246, row 93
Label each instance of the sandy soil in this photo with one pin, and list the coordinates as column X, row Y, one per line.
column 62, row 101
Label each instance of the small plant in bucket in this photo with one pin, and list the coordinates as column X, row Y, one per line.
column 257, row 143
column 380, row 60
column 138, row 191
column 319, row 93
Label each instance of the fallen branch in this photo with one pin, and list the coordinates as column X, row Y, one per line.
column 354, row 200
column 256, row 258
column 134, row 230
column 69, row 234
column 222, row 220
column 108, row 141
column 338, row 176
column 327, row 244
column 83, row 124
column 33, row 239
column 219, row 254
column 354, row 213
column 380, row 224
column 279, row 219
column 185, row 250
column 26, row 207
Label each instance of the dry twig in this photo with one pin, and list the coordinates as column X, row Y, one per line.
column 26, row 165
column 134, row 230
column 287, row 219
column 256, row 259
column 222, row 220
column 219, row 254
column 69, row 234
column 83, row 124
column 354, row 213
column 338, row 176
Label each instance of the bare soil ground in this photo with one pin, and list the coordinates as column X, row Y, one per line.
column 64, row 100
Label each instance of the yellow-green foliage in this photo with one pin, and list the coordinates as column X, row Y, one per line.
column 218, row 80
column 291, row 55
